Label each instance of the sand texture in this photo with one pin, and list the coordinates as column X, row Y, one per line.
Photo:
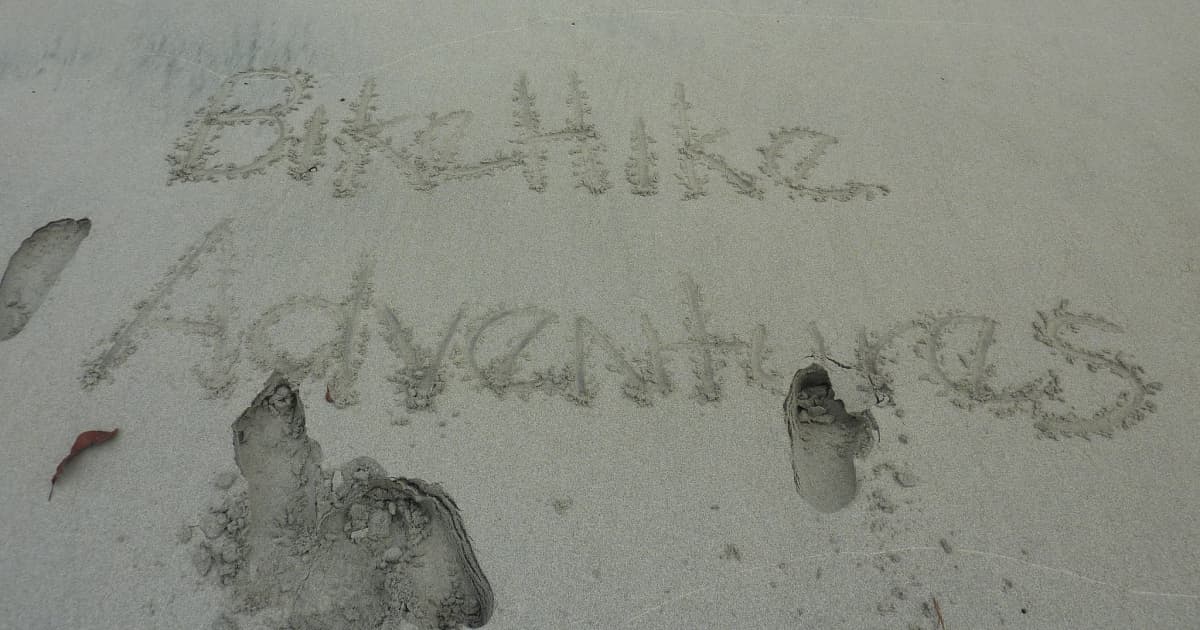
column 568, row 315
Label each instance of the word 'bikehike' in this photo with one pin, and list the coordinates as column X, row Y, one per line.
column 429, row 157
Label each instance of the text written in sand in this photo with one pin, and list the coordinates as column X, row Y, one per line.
column 495, row 348
column 425, row 150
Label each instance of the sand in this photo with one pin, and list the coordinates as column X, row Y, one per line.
column 415, row 316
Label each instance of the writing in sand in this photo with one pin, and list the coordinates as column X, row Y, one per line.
column 425, row 151
column 492, row 347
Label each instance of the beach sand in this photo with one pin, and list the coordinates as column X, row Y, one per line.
column 452, row 315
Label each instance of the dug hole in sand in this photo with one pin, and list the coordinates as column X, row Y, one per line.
column 347, row 548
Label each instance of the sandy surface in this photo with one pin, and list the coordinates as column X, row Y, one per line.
column 550, row 270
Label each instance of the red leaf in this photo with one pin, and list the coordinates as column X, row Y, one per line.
column 85, row 440
column 328, row 395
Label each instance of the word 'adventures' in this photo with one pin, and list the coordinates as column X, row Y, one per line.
column 515, row 350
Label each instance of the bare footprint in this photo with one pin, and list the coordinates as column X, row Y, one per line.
column 34, row 269
column 825, row 439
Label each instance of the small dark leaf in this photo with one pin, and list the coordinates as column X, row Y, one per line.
column 85, row 440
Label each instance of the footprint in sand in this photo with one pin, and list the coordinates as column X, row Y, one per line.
column 825, row 440
column 348, row 549
column 34, row 268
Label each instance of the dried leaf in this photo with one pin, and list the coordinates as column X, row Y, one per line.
column 328, row 395
column 84, row 441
